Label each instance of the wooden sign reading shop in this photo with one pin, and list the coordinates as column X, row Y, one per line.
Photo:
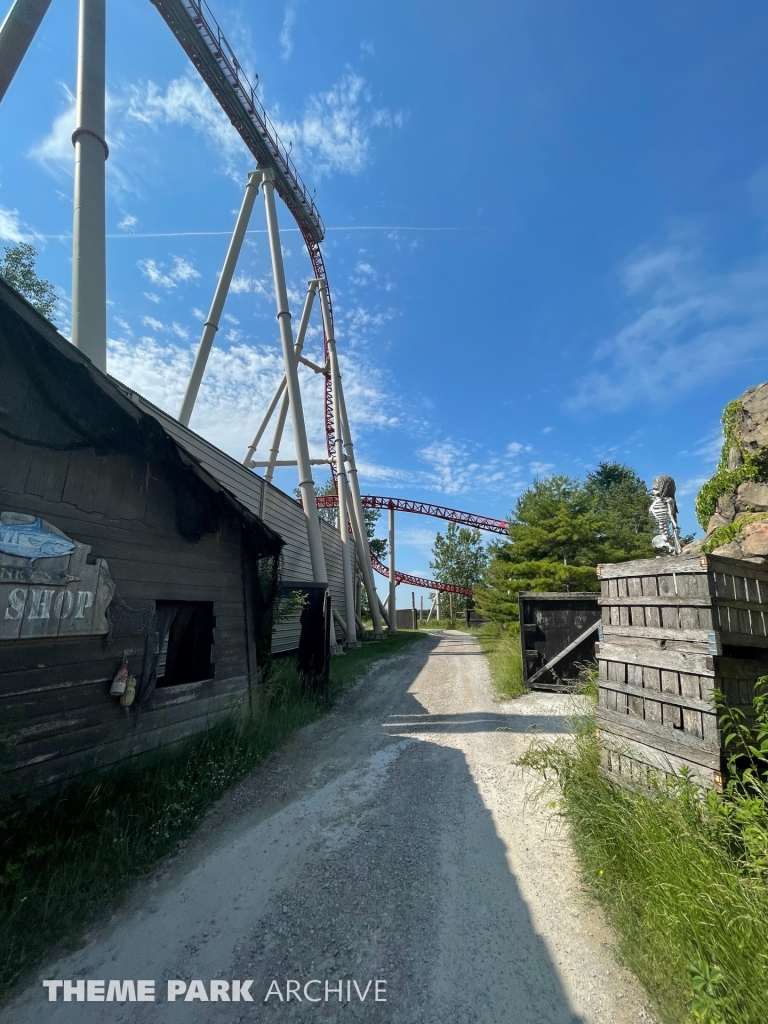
column 47, row 588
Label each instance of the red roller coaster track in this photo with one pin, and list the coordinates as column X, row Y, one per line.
column 422, row 508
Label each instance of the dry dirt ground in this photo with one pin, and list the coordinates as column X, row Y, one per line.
column 389, row 841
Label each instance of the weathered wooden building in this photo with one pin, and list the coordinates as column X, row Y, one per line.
column 124, row 535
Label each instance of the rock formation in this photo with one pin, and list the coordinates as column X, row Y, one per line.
column 733, row 506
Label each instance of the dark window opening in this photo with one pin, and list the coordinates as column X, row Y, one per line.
column 186, row 642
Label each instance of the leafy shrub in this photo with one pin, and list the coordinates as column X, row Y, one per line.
column 725, row 480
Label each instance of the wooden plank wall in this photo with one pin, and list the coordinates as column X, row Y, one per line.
column 663, row 653
column 54, row 692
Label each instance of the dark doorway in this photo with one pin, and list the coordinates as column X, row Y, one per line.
column 186, row 642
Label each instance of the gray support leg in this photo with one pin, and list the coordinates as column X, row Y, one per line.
column 17, row 32
column 89, row 244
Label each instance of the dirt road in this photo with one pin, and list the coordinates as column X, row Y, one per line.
column 389, row 841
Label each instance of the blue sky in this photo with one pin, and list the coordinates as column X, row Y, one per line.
column 547, row 228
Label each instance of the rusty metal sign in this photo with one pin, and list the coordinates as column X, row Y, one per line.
column 47, row 587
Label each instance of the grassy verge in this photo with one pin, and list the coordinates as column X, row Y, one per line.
column 502, row 648
column 459, row 624
column 67, row 860
column 683, row 878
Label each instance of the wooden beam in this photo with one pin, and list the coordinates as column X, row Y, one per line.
column 566, row 650
column 660, row 696
column 694, row 664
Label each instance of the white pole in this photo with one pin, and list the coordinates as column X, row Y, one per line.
column 211, row 325
column 306, row 485
column 392, row 581
column 341, row 487
column 281, row 387
column 89, row 243
column 274, row 451
column 264, row 423
column 357, row 516
column 343, row 522
column 17, row 32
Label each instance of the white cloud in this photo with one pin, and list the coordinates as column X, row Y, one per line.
column 363, row 274
column 128, row 222
column 55, row 151
column 686, row 325
column 11, row 228
column 691, row 486
column 515, row 448
column 334, row 132
column 181, row 271
column 153, row 297
column 286, row 37
column 123, row 324
column 173, row 328
column 242, row 285
column 541, row 468
column 186, row 101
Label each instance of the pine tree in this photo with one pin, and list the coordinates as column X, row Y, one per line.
column 560, row 530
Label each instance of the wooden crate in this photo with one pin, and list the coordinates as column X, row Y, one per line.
column 673, row 630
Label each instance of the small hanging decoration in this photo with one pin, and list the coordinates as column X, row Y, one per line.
column 130, row 693
column 119, row 683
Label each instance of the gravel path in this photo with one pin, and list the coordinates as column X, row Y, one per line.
column 389, row 841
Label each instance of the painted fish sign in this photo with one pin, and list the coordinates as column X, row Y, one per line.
column 47, row 587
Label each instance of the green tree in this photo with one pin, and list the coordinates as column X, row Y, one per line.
column 560, row 530
column 621, row 500
column 459, row 557
column 17, row 268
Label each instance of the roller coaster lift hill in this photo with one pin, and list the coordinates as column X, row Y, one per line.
column 195, row 27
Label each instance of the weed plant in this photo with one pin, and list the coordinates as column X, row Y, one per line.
column 501, row 646
column 683, row 875
column 69, row 858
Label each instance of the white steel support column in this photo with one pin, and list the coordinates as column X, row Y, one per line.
column 17, row 32
column 211, row 325
column 357, row 516
column 346, row 555
column 306, row 485
column 341, row 484
column 274, row 451
column 89, row 244
column 264, row 423
column 392, row 581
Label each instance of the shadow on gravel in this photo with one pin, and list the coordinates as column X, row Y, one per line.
column 400, row 875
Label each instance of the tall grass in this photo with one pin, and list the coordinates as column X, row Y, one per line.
column 683, row 877
column 501, row 646
column 67, row 859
